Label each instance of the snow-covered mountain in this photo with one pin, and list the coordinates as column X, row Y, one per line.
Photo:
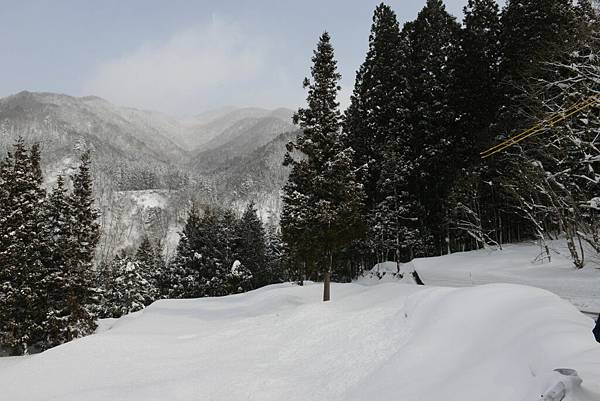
column 214, row 128
column 239, row 139
column 60, row 121
column 118, row 135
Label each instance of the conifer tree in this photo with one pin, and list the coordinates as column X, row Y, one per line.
column 79, row 289
column 475, row 98
column 182, row 273
column 533, row 32
column 475, row 87
column 125, row 289
column 59, row 242
column 250, row 247
column 432, row 40
column 275, row 255
column 376, row 113
column 323, row 197
column 149, row 266
column 22, row 271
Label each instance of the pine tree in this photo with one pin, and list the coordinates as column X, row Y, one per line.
column 323, row 197
column 475, row 99
column 475, row 88
column 275, row 255
column 149, row 268
column 79, row 289
column 183, row 271
column 250, row 247
column 533, row 32
column 432, row 40
column 59, row 241
column 535, row 35
column 206, row 262
column 395, row 224
column 124, row 287
column 376, row 114
column 22, row 305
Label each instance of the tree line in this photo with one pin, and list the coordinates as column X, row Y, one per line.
column 399, row 173
column 53, row 292
column 47, row 244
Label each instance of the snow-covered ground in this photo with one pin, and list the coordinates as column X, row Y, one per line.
column 516, row 264
column 384, row 341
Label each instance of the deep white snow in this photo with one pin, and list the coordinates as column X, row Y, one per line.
column 385, row 341
column 517, row 264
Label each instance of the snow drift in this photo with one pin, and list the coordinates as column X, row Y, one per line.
column 372, row 342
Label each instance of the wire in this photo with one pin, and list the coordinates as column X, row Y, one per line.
column 541, row 126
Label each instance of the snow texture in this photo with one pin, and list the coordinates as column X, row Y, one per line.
column 387, row 341
column 516, row 264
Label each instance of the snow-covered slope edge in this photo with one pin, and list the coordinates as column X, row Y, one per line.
column 378, row 342
column 516, row 264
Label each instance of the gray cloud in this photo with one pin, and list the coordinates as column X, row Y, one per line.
column 216, row 62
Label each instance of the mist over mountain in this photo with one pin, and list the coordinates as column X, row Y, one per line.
column 148, row 165
column 198, row 145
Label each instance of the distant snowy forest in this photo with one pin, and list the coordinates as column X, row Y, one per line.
column 161, row 208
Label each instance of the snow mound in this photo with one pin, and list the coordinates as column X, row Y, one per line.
column 515, row 265
column 372, row 342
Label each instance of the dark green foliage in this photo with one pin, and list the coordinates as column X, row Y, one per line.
column 22, row 268
column 151, row 268
column 206, row 263
column 125, row 287
column 376, row 113
column 251, row 247
column 433, row 42
column 47, row 246
column 323, row 198
column 426, row 101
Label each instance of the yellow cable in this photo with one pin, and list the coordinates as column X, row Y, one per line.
column 543, row 125
column 550, row 121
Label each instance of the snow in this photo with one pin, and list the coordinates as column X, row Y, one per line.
column 384, row 341
column 388, row 272
column 515, row 264
column 147, row 199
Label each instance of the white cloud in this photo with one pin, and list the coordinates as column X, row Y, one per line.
column 194, row 69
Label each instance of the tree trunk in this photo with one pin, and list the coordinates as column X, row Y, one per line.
column 327, row 287
column 327, row 280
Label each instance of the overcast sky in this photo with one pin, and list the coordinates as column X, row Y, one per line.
column 182, row 57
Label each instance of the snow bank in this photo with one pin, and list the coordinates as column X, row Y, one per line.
column 372, row 342
column 515, row 264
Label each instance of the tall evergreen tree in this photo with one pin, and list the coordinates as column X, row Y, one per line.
column 323, row 198
column 80, row 289
column 250, row 249
column 124, row 287
column 22, row 313
column 376, row 113
column 475, row 99
column 533, row 32
column 149, row 268
column 59, row 242
column 475, row 87
column 432, row 40
column 182, row 273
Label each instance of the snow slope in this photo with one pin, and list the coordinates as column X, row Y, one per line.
column 516, row 264
column 387, row 341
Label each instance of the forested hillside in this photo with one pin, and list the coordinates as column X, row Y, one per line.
column 400, row 175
